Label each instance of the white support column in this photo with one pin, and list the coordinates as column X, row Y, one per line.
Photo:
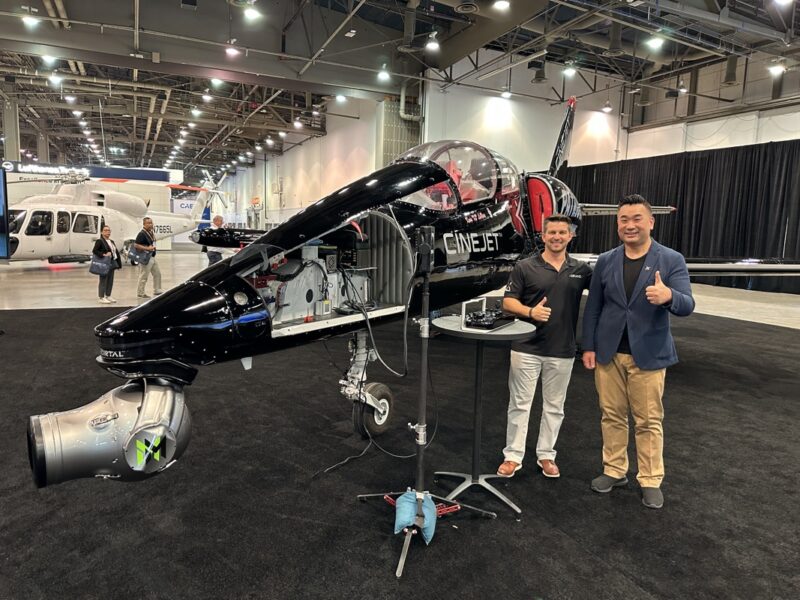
column 43, row 144
column 11, row 130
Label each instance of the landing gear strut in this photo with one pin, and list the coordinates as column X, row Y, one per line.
column 372, row 402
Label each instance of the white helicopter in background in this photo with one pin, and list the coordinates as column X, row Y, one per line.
column 62, row 226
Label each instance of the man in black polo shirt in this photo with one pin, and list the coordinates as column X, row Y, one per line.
column 545, row 289
column 146, row 242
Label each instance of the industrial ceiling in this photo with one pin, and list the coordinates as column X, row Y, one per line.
column 201, row 83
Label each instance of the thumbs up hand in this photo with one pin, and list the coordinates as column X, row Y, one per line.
column 540, row 312
column 658, row 293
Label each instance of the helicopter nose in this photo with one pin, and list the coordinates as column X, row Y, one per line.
column 194, row 323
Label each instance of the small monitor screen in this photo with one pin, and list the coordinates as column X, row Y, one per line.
column 4, row 241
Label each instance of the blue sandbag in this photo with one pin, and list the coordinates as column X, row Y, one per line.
column 406, row 512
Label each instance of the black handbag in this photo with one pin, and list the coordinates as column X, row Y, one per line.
column 139, row 257
column 100, row 265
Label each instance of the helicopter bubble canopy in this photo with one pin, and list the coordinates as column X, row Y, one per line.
column 477, row 172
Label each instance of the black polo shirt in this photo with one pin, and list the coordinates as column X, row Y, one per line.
column 145, row 238
column 531, row 280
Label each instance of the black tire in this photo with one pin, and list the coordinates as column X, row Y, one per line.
column 366, row 422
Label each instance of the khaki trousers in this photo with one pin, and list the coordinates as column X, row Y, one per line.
column 623, row 386
column 144, row 273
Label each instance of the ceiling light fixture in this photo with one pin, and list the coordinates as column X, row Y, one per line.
column 196, row 112
column 259, row 147
column 607, row 108
column 231, row 51
column 216, row 82
column 340, row 98
column 48, row 60
column 30, row 21
column 315, row 112
column 70, row 99
column 78, row 113
column 207, row 97
column 569, row 71
column 655, row 42
column 183, row 132
column 297, row 124
column 81, row 123
column 777, row 69
column 282, row 134
column 383, row 74
column 682, row 87
column 270, row 141
column 501, row 4
column 251, row 14
column 432, row 45
column 192, row 125
column 506, row 94
column 55, row 78
column 87, row 132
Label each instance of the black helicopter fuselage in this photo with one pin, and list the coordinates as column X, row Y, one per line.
column 232, row 310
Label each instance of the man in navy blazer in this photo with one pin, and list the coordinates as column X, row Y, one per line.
column 627, row 341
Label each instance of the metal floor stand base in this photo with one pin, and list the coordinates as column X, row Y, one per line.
column 480, row 481
column 484, row 513
column 414, row 530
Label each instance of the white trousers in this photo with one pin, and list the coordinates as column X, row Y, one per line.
column 522, row 379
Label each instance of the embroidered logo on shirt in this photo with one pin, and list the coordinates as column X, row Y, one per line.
column 575, row 275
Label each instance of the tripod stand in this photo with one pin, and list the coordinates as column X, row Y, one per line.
column 424, row 244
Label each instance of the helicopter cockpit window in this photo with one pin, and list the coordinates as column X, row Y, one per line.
column 15, row 220
column 41, row 223
column 62, row 222
column 85, row 224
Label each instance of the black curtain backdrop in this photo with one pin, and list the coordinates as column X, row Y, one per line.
column 741, row 202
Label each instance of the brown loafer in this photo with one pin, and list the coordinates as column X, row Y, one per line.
column 508, row 468
column 549, row 468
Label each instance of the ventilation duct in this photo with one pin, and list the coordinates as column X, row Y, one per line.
column 614, row 41
column 539, row 75
column 467, row 7
column 409, row 26
column 730, row 70
column 644, row 97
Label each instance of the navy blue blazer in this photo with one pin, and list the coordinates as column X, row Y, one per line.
column 608, row 310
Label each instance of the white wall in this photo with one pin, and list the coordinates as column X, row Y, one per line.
column 306, row 173
column 524, row 129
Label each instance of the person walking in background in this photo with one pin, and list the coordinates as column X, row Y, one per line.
column 547, row 290
column 146, row 242
column 214, row 254
column 105, row 246
column 627, row 341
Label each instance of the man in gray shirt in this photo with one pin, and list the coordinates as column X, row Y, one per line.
column 545, row 289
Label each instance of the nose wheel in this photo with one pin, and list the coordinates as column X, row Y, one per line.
column 369, row 420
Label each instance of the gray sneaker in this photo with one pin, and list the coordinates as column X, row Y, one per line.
column 605, row 483
column 652, row 497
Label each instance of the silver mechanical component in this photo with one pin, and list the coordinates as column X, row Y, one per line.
column 372, row 402
column 130, row 433
column 352, row 384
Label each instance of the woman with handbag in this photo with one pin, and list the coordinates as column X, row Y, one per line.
column 105, row 250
